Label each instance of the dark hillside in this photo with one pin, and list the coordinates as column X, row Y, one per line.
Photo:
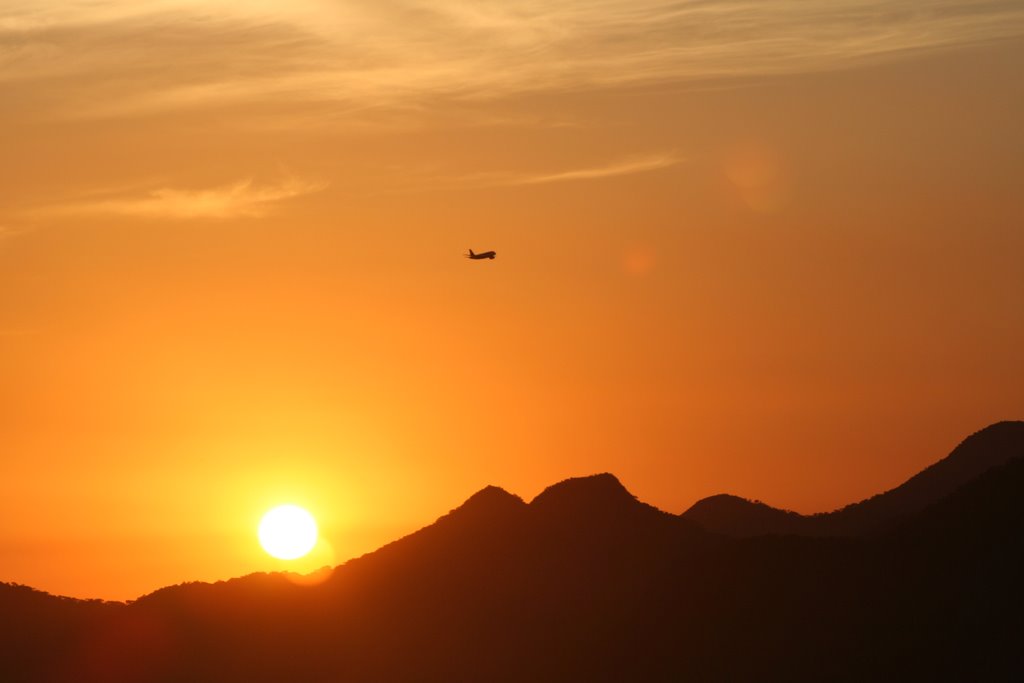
column 978, row 453
column 585, row 583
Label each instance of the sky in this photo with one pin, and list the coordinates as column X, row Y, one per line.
column 769, row 248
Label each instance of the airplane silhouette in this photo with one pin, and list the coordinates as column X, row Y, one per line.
column 477, row 257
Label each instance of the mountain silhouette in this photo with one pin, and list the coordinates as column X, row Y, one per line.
column 981, row 451
column 583, row 583
column 596, row 494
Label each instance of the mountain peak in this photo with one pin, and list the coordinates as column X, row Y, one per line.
column 489, row 502
column 1007, row 436
column 735, row 516
column 981, row 451
column 492, row 496
column 595, row 492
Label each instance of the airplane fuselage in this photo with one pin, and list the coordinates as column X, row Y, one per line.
column 484, row 255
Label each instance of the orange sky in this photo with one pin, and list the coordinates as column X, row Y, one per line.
column 772, row 249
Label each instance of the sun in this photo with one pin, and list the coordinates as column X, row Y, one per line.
column 287, row 532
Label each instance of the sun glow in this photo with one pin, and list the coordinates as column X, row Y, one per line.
column 287, row 532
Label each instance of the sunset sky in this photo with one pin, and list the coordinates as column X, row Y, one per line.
column 771, row 248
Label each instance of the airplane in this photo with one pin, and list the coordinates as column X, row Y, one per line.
column 477, row 257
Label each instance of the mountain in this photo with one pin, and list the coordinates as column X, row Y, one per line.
column 583, row 583
column 978, row 453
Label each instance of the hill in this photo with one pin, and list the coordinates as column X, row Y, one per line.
column 978, row 453
column 583, row 583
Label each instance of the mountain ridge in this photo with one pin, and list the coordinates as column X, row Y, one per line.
column 583, row 583
column 979, row 452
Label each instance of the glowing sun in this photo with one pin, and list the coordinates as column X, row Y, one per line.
column 287, row 532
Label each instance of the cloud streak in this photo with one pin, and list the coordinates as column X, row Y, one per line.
column 242, row 199
column 620, row 168
column 145, row 59
column 8, row 231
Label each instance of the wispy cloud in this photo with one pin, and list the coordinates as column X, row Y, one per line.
column 7, row 231
column 626, row 167
column 618, row 168
column 240, row 199
column 168, row 54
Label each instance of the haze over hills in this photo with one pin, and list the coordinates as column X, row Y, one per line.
column 587, row 583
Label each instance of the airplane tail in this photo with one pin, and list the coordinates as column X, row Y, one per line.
column 471, row 254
